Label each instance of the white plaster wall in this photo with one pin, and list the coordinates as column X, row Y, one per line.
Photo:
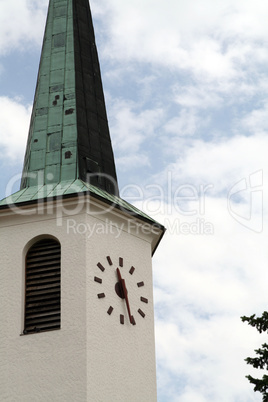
column 49, row 366
column 121, row 358
column 92, row 357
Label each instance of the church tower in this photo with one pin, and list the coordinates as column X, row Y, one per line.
column 76, row 291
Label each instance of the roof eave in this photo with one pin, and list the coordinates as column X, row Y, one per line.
column 132, row 213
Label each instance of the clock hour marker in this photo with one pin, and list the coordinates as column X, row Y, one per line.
column 120, row 261
column 140, row 284
column 109, row 260
column 141, row 313
column 121, row 319
column 110, row 310
column 96, row 279
column 100, row 267
column 144, row 300
column 133, row 320
column 101, row 295
column 131, row 271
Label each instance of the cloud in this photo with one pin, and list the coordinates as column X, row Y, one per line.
column 198, row 97
column 219, row 163
column 131, row 126
column 21, row 22
column 14, row 125
column 212, row 39
column 204, row 281
column 186, row 124
column 131, row 162
column 207, row 363
column 256, row 120
column 203, row 284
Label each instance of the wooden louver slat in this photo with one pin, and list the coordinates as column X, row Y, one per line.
column 42, row 287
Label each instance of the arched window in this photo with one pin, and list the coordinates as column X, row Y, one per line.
column 42, row 286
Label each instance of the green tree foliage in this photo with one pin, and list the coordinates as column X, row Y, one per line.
column 261, row 359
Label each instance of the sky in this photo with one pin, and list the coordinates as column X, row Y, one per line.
column 186, row 88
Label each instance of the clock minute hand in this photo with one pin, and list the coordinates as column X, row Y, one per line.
column 123, row 284
column 127, row 302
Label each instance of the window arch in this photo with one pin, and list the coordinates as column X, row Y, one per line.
column 43, row 286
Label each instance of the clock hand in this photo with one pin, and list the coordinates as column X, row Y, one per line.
column 126, row 298
column 123, row 284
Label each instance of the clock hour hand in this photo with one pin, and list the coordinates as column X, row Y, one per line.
column 124, row 288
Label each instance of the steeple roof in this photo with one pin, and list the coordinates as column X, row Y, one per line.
column 69, row 136
column 69, row 150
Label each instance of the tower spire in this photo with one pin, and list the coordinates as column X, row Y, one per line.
column 69, row 244
column 69, row 135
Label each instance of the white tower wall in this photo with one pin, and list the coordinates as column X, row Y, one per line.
column 93, row 357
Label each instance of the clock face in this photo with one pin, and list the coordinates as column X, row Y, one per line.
column 121, row 290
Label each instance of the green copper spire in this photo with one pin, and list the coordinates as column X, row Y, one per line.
column 69, row 136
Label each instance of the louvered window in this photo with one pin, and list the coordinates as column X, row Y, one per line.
column 42, row 290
